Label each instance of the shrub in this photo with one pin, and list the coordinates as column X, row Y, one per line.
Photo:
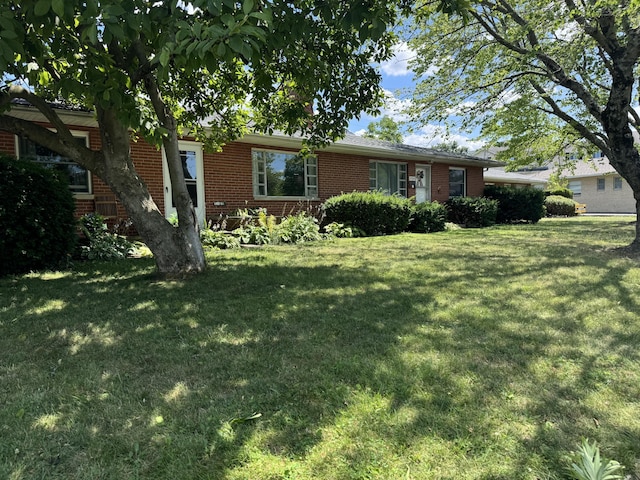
column 102, row 244
column 218, row 239
column 36, row 217
column 340, row 230
column 372, row 212
column 298, row 229
column 517, row 204
column 557, row 205
column 428, row 217
column 562, row 192
column 472, row 212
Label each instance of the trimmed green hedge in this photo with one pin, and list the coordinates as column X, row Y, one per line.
column 563, row 192
column 428, row 217
column 36, row 217
column 473, row 212
column 560, row 206
column 517, row 204
column 372, row 212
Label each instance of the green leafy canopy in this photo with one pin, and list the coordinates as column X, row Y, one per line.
column 230, row 62
column 536, row 75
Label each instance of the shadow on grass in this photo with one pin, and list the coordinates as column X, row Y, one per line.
column 125, row 376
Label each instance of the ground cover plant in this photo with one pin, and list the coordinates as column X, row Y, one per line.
column 465, row 354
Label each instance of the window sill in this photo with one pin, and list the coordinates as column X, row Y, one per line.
column 84, row 196
column 286, row 199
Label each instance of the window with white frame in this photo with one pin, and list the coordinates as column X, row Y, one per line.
column 388, row 177
column 284, row 174
column 576, row 187
column 457, row 182
column 601, row 184
column 617, row 183
column 598, row 155
column 78, row 176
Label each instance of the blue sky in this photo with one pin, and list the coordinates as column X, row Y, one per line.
column 398, row 81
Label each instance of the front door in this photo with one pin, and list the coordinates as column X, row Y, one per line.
column 423, row 183
column 191, row 156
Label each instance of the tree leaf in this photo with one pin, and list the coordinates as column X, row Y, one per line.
column 42, row 8
column 58, row 7
column 247, row 6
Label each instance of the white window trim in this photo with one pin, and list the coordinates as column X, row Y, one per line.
column 88, row 195
column 464, row 181
column 307, row 187
column 402, row 190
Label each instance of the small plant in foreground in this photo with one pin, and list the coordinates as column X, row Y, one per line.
column 590, row 466
column 102, row 244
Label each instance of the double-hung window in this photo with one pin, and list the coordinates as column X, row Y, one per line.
column 617, row 183
column 284, row 174
column 457, row 182
column 388, row 177
column 78, row 176
column 601, row 184
column 576, row 187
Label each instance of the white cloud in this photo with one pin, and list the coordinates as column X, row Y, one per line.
column 398, row 65
column 394, row 107
column 461, row 109
column 431, row 135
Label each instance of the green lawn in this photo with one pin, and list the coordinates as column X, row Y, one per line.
column 468, row 354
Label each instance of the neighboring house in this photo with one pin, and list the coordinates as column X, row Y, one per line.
column 594, row 182
column 498, row 176
column 264, row 171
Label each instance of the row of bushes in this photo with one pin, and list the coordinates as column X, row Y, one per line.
column 374, row 213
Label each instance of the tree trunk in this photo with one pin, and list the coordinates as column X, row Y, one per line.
column 177, row 251
column 623, row 154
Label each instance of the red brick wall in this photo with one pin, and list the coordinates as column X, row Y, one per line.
column 475, row 181
column 7, row 143
column 228, row 177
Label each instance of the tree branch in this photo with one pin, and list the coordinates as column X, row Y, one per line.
column 564, row 116
column 68, row 147
column 15, row 91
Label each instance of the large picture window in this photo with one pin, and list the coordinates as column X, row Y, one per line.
column 78, row 176
column 457, row 182
column 388, row 177
column 284, row 174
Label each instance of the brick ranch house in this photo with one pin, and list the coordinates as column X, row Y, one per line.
column 263, row 171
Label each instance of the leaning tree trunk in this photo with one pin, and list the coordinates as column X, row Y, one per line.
column 187, row 221
column 177, row 251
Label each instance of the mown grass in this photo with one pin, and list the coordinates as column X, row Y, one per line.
column 469, row 354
